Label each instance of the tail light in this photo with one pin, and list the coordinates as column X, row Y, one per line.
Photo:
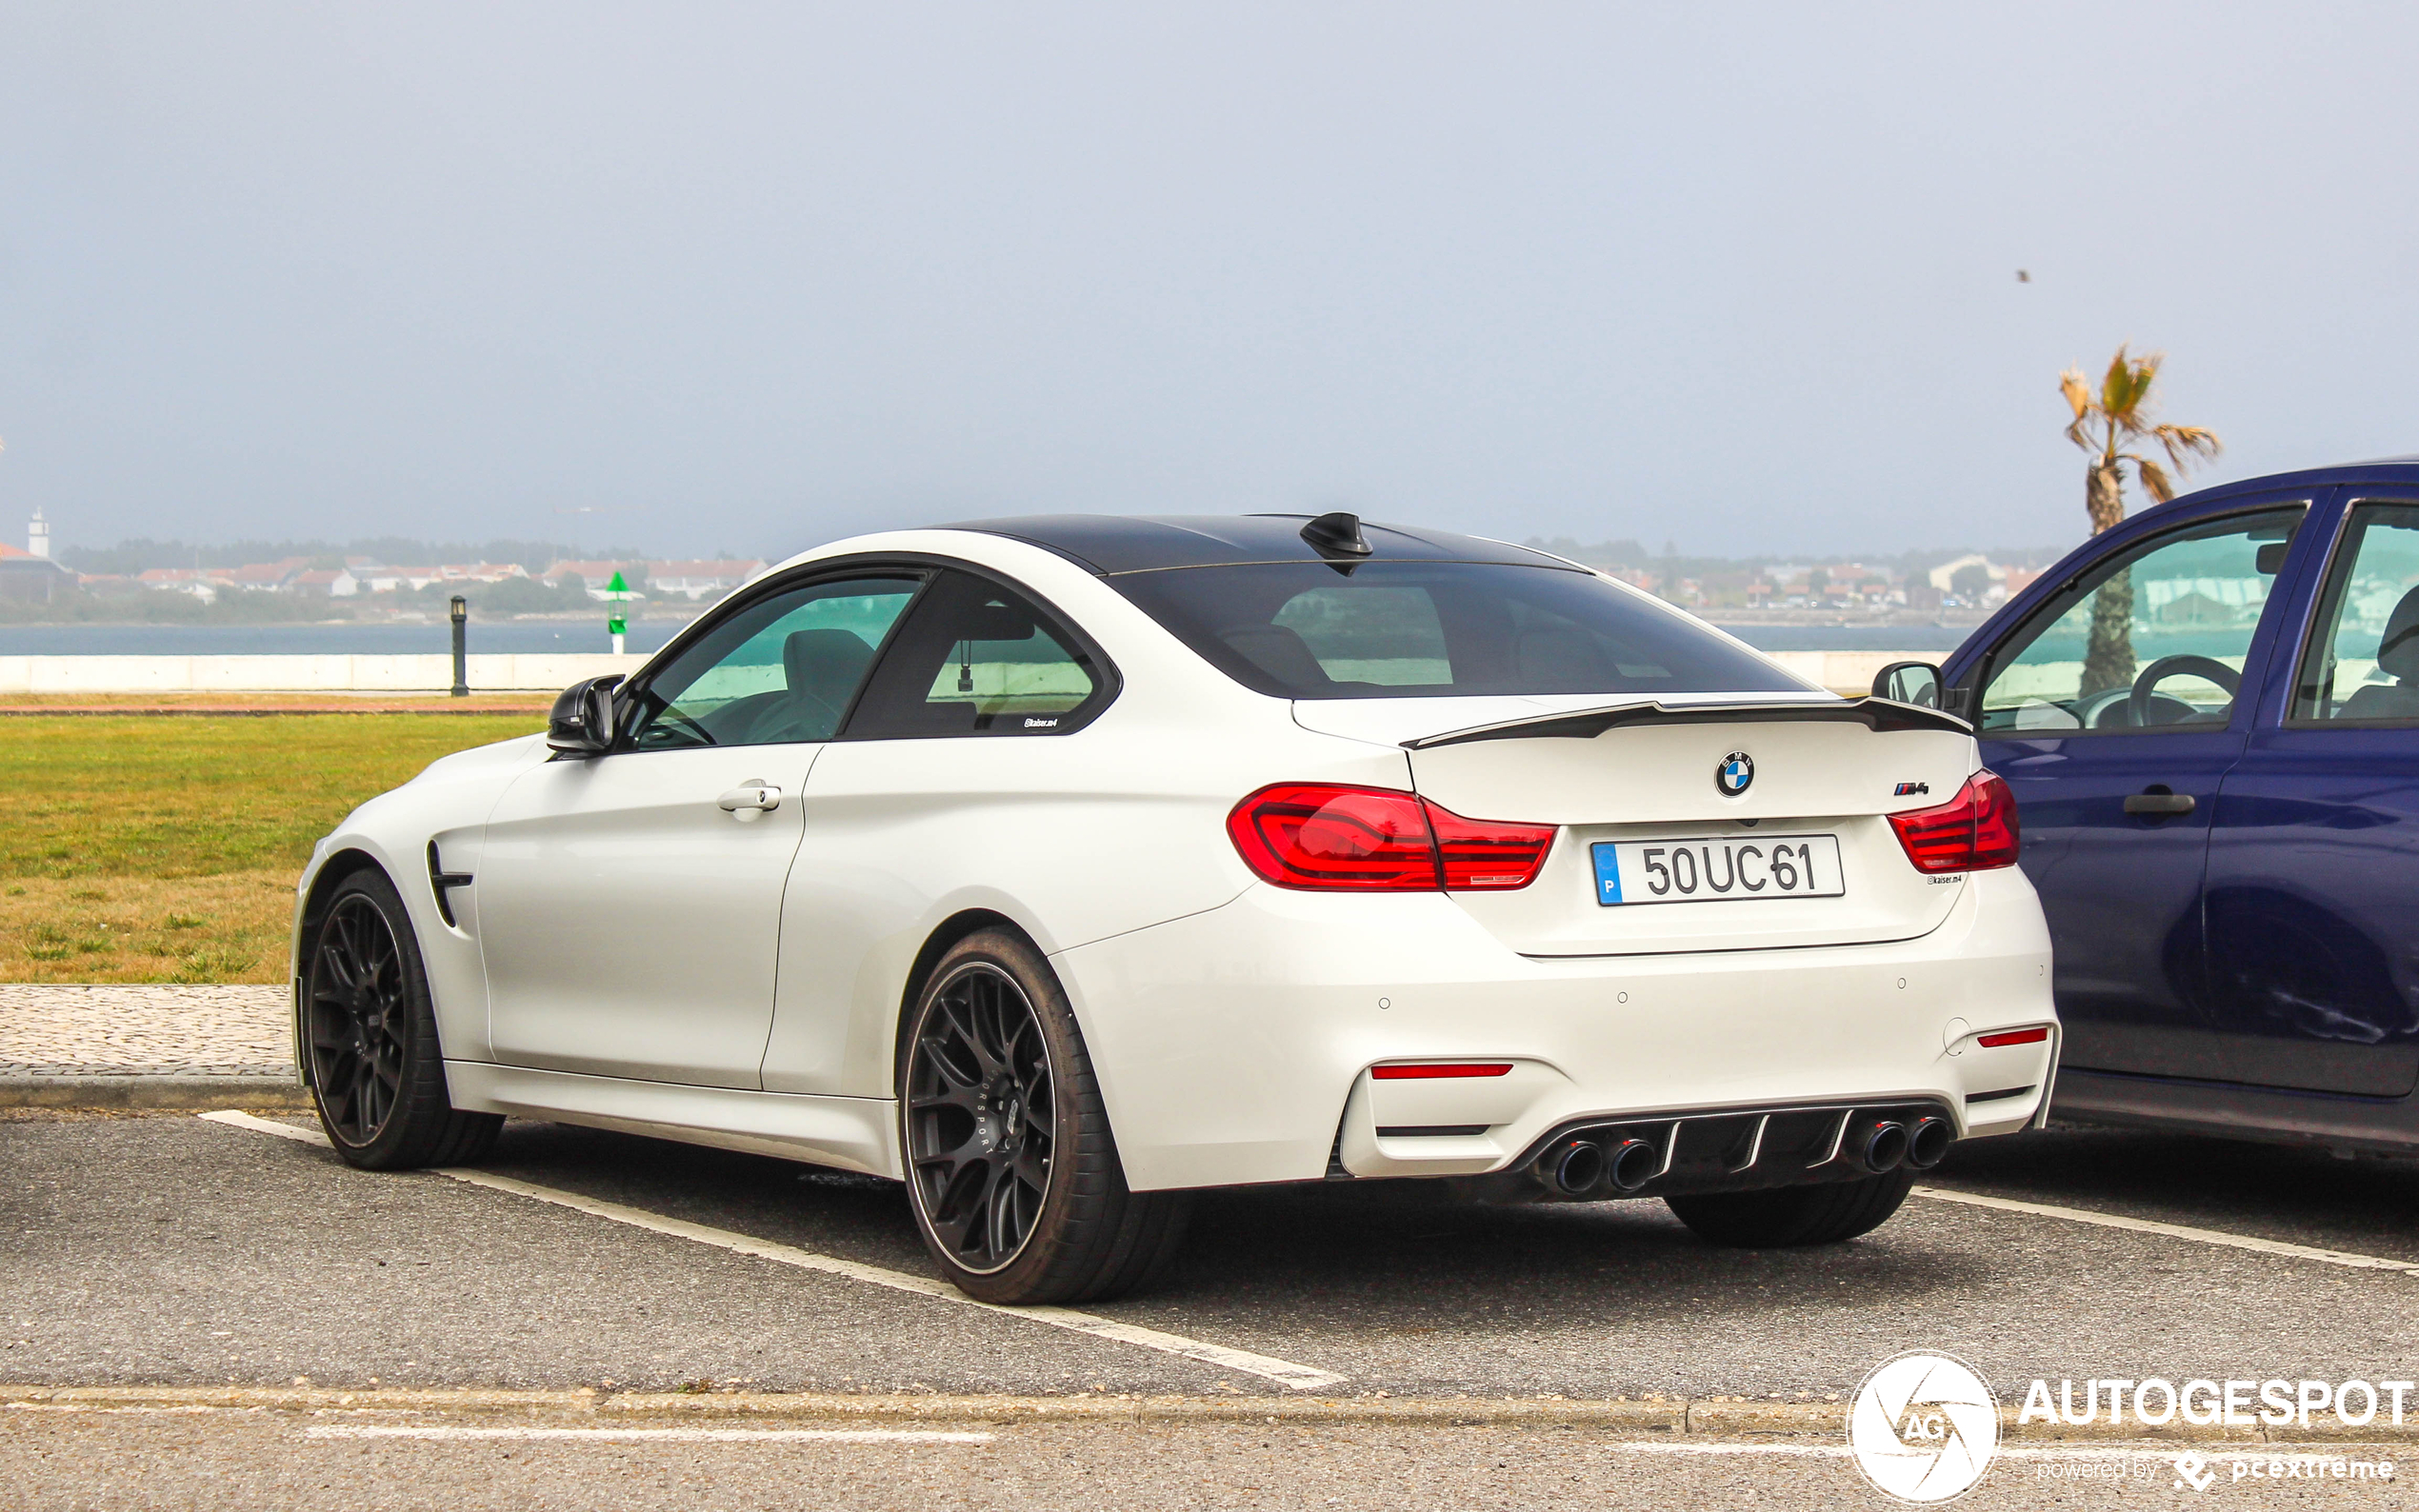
column 1324, row 838
column 1973, row 831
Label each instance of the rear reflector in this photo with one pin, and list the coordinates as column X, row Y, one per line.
column 1993, row 1041
column 1973, row 831
column 1423, row 1073
column 1321, row 837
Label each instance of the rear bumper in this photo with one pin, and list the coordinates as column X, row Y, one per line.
column 1232, row 1046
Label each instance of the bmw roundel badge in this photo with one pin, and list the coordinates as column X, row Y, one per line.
column 1736, row 772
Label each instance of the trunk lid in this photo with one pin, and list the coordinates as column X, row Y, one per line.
column 1646, row 774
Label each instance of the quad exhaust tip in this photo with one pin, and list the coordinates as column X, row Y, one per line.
column 1928, row 1144
column 1579, row 1167
column 1634, row 1163
column 1584, row 1165
column 1885, row 1147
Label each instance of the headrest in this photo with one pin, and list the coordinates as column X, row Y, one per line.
column 825, row 664
column 2398, row 648
column 1279, row 652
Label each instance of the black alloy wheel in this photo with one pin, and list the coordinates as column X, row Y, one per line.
column 370, row 1028
column 982, row 1117
column 359, row 1019
column 1012, row 1174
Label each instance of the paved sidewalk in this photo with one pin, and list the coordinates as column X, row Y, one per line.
column 153, row 1046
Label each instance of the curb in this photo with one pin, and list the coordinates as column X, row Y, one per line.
column 1706, row 1421
column 165, row 1092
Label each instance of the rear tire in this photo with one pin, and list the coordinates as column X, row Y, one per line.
column 377, row 1072
column 1795, row 1215
column 1013, row 1172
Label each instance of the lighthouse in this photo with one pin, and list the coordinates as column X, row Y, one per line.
column 37, row 537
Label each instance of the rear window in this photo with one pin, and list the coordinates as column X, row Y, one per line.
column 1431, row 630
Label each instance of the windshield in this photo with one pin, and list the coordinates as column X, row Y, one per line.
column 1438, row 629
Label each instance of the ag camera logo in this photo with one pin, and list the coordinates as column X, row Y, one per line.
column 1923, row 1427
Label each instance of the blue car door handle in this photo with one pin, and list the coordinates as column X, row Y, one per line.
column 2158, row 801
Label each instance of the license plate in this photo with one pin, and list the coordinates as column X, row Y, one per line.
column 1731, row 869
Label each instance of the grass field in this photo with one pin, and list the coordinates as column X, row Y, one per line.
column 165, row 849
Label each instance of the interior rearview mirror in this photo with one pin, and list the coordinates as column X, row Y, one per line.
column 2270, row 558
column 582, row 720
column 1916, row 682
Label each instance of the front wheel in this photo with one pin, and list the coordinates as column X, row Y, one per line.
column 377, row 1073
column 1010, row 1167
column 1795, row 1215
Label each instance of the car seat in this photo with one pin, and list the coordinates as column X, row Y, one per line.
column 2398, row 658
column 823, row 668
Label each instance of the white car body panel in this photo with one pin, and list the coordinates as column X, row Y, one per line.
column 629, row 925
column 650, row 963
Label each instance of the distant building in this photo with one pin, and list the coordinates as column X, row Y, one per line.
column 690, row 580
column 412, row 579
column 695, row 580
column 28, row 578
column 592, row 575
column 327, row 583
column 205, row 583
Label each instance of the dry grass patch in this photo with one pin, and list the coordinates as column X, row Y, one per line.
column 141, row 849
column 229, row 928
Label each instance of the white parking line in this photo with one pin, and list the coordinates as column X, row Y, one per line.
column 2220, row 1449
column 664, row 1435
column 2202, row 1236
column 1302, row 1378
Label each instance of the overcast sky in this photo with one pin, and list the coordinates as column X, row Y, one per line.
column 750, row 277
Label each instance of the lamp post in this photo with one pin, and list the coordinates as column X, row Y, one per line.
column 459, row 610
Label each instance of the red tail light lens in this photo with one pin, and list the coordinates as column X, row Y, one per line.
column 1481, row 855
column 1431, row 1071
column 1326, row 838
column 1974, row 831
column 1333, row 838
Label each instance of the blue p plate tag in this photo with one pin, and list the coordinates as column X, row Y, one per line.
column 1607, row 858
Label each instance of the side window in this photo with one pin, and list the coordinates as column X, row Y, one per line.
column 782, row 669
column 978, row 659
column 2363, row 663
column 2151, row 640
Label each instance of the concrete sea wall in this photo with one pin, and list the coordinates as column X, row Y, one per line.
column 548, row 673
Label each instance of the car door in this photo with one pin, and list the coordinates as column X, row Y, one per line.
column 2313, row 871
column 2112, row 712
column 953, row 750
column 630, row 904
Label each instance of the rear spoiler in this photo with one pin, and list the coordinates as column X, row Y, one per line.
column 1877, row 715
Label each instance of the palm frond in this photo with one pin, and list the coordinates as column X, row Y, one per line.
column 2078, row 393
column 2154, row 478
column 2186, row 445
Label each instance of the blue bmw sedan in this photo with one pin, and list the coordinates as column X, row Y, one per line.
column 2210, row 719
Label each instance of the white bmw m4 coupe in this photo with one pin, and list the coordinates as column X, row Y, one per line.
column 1058, row 867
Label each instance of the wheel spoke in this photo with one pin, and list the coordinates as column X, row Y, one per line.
column 980, row 1118
column 359, row 1019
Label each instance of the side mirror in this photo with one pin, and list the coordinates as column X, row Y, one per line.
column 582, row 720
column 1916, row 682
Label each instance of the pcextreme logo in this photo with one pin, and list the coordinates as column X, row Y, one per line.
column 1923, row 1427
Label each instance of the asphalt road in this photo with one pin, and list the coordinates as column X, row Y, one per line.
column 171, row 1249
column 331, row 1461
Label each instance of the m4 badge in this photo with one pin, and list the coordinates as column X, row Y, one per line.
column 1903, row 790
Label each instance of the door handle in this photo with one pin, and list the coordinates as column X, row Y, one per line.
column 751, row 799
column 2159, row 801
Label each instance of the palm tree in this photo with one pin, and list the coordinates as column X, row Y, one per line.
column 2105, row 423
